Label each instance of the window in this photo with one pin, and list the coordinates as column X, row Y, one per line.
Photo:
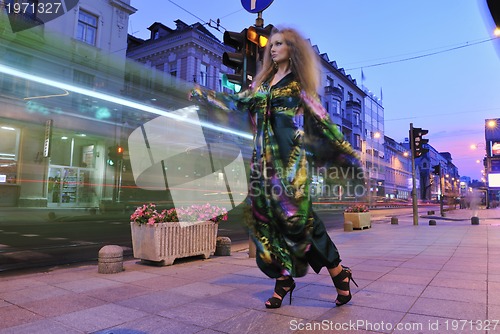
column 203, row 74
column 357, row 141
column 173, row 69
column 355, row 119
column 350, row 97
column 83, row 78
column 80, row 102
column 87, row 28
column 336, row 107
column 329, row 81
column 341, row 89
column 9, row 150
column 219, row 83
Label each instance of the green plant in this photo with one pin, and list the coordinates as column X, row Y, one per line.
column 148, row 214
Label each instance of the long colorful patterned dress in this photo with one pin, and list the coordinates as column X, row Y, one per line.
column 292, row 133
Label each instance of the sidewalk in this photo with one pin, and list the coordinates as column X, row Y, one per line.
column 427, row 279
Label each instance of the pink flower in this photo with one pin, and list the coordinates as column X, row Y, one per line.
column 147, row 214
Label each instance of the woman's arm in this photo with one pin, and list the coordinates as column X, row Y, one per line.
column 327, row 143
column 224, row 101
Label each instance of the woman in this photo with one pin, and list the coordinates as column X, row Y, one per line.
column 292, row 132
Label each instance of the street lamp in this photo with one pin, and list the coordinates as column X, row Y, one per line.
column 373, row 176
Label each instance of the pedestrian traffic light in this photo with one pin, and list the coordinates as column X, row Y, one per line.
column 236, row 87
column 419, row 143
column 436, row 170
column 111, row 156
column 236, row 60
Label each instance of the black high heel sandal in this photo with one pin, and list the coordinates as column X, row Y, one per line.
column 279, row 289
column 340, row 284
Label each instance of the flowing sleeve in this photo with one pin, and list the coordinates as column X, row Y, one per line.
column 327, row 146
column 242, row 101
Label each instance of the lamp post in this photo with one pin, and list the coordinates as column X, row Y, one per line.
column 373, row 176
column 486, row 163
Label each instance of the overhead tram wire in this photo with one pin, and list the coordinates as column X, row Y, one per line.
column 203, row 21
column 422, row 56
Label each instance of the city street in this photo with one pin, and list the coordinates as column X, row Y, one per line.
column 77, row 236
column 411, row 280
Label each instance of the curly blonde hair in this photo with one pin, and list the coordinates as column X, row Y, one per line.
column 304, row 61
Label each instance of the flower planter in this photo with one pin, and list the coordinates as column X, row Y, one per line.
column 165, row 242
column 360, row 220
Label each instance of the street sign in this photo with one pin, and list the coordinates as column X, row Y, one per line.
column 255, row 6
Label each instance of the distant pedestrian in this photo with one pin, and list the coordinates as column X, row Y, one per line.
column 292, row 133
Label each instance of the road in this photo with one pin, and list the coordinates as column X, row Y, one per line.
column 30, row 243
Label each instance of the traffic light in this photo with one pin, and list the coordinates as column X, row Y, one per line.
column 119, row 152
column 259, row 37
column 115, row 154
column 419, row 143
column 249, row 45
column 111, row 156
column 236, row 60
column 436, row 170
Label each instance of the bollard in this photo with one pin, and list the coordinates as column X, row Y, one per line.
column 348, row 226
column 394, row 220
column 432, row 222
column 474, row 220
column 110, row 260
column 223, row 246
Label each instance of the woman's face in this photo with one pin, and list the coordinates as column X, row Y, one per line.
column 279, row 49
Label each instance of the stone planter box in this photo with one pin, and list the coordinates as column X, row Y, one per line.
column 165, row 242
column 360, row 220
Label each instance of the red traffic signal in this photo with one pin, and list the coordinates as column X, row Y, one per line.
column 119, row 152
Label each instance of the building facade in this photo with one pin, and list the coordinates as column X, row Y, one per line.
column 52, row 154
column 398, row 176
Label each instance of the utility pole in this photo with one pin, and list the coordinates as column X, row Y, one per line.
column 414, row 181
column 441, row 191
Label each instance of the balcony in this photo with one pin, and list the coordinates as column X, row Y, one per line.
column 333, row 91
column 347, row 123
column 354, row 105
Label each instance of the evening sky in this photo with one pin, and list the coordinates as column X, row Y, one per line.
column 433, row 63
